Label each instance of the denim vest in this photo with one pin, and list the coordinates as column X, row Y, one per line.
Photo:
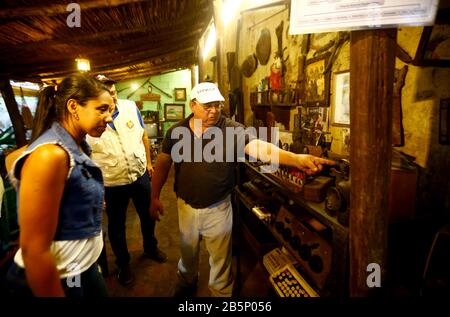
column 80, row 211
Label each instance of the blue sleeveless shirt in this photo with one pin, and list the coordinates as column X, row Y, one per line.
column 80, row 211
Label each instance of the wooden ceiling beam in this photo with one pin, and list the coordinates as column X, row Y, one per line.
column 64, row 71
column 110, row 59
column 174, row 47
column 56, row 9
column 111, row 51
column 144, row 59
column 100, row 54
column 121, row 31
column 188, row 54
column 173, row 60
column 152, row 72
column 127, row 74
column 178, row 64
column 164, row 37
column 139, row 46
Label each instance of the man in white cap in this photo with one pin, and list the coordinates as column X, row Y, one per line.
column 203, row 186
column 123, row 154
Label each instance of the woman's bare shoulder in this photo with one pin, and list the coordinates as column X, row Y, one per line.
column 50, row 153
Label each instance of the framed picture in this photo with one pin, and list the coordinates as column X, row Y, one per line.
column 180, row 94
column 317, row 84
column 314, row 118
column 434, row 47
column 313, row 124
column 340, row 112
column 173, row 111
column 444, row 121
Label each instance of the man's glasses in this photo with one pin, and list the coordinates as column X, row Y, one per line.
column 209, row 106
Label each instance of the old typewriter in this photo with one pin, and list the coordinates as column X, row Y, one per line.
column 289, row 283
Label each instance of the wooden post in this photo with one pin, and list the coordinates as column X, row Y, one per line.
column 372, row 64
column 201, row 66
column 221, row 70
column 193, row 76
column 13, row 110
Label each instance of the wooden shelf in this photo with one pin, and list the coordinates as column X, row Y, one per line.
column 316, row 209
column 282, row 105
column 284, row 97
column 281, row 113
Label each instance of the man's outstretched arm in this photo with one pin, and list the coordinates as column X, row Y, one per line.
column 267, row 152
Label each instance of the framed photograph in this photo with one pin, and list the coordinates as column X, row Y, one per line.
column 317, row 84
column 313, row 124
column 180, row 94
column 444, row 121
column 314, row 118
column 340, row 112
column 434, row 47
column 173, row 111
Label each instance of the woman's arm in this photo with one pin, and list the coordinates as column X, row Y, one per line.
column 43, row 178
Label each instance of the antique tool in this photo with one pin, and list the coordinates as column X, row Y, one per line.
column 342, row 38
column 397, row 126
column 235, row 98
column 230, row 63
column 278, row 68
column 311, row 250
column 297, row 145
column 290, row 177
column 279, row 33
column 280, row 49
column 143, row 84
column 402, row 55
column 249, row 65
column 263, row 47
column 316, row 189
column 262, row 213
column 234, row 77
column 236, row 81
column 300, row 85
column 213, row 60
column 324, row 48
column 337, row 201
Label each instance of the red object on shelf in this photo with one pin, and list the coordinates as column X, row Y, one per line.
column 276, row 82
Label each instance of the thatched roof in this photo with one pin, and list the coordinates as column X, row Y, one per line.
column 121, row 38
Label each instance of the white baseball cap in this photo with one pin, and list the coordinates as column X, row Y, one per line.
column 206, row 92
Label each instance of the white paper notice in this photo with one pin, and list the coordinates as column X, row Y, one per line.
column 315, row 16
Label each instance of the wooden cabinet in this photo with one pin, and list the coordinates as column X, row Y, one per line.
column 402, row 194
column 315, row 239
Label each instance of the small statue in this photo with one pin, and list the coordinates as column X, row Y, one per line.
column 276, row 79
column 276, row 74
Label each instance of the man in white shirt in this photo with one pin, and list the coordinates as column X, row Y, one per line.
column 123, row 154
